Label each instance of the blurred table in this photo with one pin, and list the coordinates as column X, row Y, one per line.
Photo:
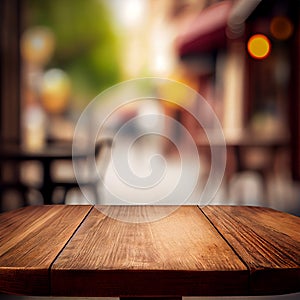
column 210, row 251
column 246, row 151
column 46, row 156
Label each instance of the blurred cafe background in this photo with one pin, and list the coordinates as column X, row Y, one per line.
column 242, row 56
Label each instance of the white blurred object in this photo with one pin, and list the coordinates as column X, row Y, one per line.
column 238, row 15
column 34, row 127
column 246, row 188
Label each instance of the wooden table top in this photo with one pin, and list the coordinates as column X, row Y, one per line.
column 214, row 250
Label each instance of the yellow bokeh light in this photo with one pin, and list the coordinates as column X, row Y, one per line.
column 55, row 91
column 259, row 46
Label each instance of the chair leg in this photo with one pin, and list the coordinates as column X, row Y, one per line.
column 96, row 193
column 65, row 195
column 62, row 196
column 1, row 200
column 24, row 195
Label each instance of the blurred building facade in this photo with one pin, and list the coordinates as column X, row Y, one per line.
column 242, row 56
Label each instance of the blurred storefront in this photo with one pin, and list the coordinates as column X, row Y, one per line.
column 246, row 53
column 242, row 56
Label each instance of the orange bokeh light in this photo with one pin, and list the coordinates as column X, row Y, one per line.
column 281, row 27
column 259, row 46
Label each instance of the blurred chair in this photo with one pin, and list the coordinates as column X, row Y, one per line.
column 10, row 181
column 17, row 186
column 91, row 180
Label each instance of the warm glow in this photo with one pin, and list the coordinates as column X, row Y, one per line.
column 259, row 46
column 281, row 27
column 132, row 12
column 55, row 91
column 37, row 45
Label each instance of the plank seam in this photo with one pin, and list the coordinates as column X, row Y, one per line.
column 62, row 249
column 227, row 242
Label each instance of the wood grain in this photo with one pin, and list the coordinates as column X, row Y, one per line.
column 268, row 241
column 181, row 254
column 30, row 239
column 215, row 250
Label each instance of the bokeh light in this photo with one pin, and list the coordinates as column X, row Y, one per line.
column 281, row 28
column 55, row 91
column 259, row 46
column 37, row 45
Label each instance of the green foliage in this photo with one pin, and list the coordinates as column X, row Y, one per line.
column 86, row 46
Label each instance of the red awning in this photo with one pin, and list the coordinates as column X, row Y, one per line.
column 207, row 32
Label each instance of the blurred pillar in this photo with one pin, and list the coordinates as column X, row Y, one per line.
column 9, row 80
column 295, row 105
column 234, row 70
column 10, row 69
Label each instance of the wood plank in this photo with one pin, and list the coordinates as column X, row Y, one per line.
column 268, row 241
column 30, row 239
column 181, row 254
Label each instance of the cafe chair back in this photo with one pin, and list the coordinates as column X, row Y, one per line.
column 90, row 181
